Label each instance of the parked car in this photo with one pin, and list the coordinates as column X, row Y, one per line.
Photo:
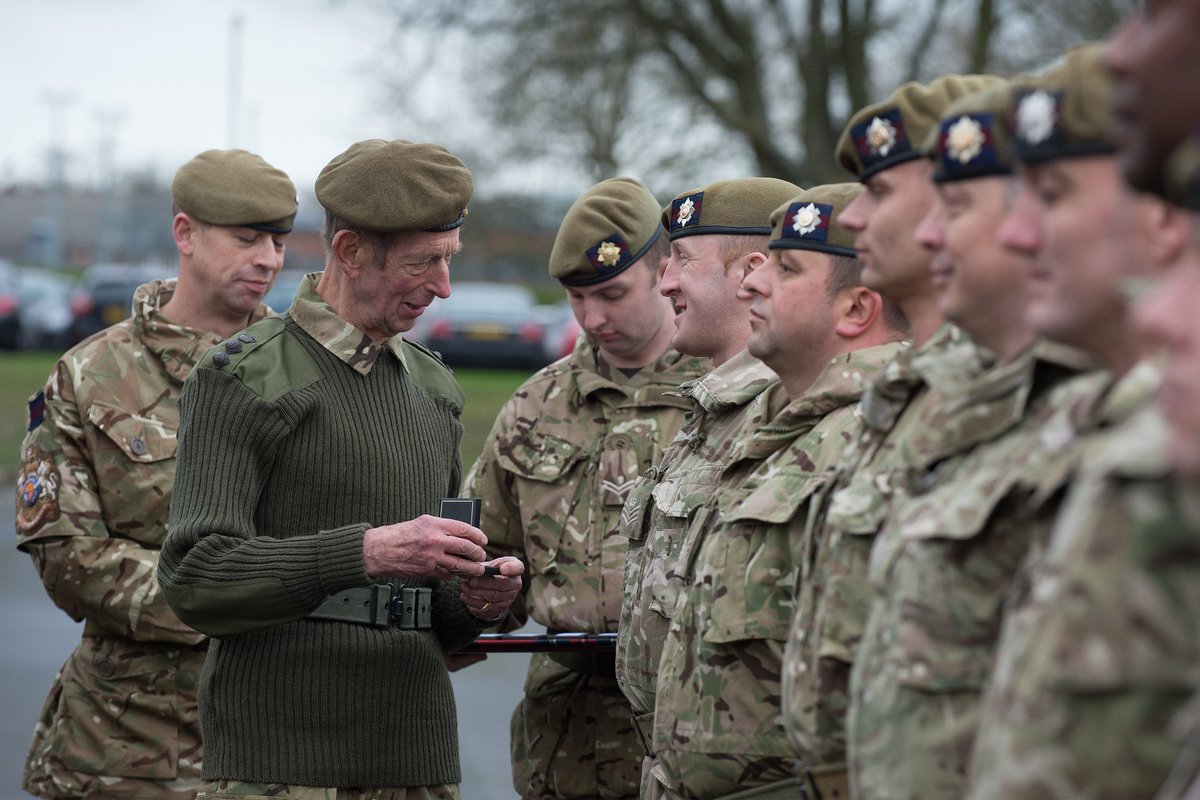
column 105, row 296
column 484, row 325
column 10, row 322
column 44, row 311
column 562, row 329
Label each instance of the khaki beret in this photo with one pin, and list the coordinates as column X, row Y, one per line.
column 973, row 139
column 1181, row 174
column 809, row 220
column 234, row 187
column 390, row 187
column 604, row 232
column 891, row 132
column 739, row 207
column 1066, row 112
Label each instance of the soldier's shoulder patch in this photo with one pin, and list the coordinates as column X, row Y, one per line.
column 432, row 375
column 435, row 355
column 266, row 360
column 38, row 484
column 37, row 410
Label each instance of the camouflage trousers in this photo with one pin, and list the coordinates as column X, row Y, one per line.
column 573, row 736
column 226, row 789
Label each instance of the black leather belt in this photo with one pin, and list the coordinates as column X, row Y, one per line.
column 380, row 605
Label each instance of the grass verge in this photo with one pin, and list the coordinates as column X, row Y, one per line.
column 22, row 374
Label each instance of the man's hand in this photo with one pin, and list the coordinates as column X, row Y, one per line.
column 489, row 596
column 426, row 547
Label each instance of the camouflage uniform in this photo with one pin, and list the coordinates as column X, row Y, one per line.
column 554, row 474
column 940, row 569
column 92, row 502
column 728, row 402
column 716, row 721
column 901, row 418
column 1101, row 644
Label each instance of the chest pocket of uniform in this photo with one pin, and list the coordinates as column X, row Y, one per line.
column 141, row 439
column 950, row 575
column 628, row 450
column 746, row 570
column 550, row 461
column 675, row 504
column 542, row 458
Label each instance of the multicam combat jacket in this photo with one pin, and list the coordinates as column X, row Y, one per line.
column 728, row 403
column 554, row 475
column 1101, row 645
column 93, row 493
column 901, row 419
column 555, row 471
column 717, row 726
column 940, row 569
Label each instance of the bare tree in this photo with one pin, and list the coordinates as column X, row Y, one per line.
column 674, row 87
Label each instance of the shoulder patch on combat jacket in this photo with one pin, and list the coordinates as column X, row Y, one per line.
column 37, row 410
column 265, row 360
column 430, row 373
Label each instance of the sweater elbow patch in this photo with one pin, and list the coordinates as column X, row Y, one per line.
column 234, row 606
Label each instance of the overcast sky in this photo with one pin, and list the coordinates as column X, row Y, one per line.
column 310, row 82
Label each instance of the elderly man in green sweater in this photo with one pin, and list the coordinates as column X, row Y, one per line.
column 313, row 451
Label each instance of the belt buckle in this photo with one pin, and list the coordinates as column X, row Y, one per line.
column 411, row 608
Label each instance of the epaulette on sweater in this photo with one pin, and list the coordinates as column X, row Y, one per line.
column 266, row 361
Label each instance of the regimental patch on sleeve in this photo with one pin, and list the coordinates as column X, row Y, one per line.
column 37, row 410
column 37, row 491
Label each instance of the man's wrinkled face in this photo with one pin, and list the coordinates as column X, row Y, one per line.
column 884, row 217
column 1079, row 223
column 623, row 315
column 1155, row 62
column 704, row 290
column 400, row 282
column 235, row 266
column 1169, row 320
column 981, row 285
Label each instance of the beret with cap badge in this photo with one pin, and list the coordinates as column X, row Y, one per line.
column 235, row 188
column 891, row 132
column 604, row 232
column 973, row 139
column 1067, row 111
column 809, row 220
column 740, row 207
column 397, row 186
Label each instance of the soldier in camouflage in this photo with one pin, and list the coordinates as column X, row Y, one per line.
column 718, row 233
column 717, row 728
column 902, row 417
column 1166, row 318
column 95, row 485
column 556, row 470
column 1100, row 642
column 952, row 542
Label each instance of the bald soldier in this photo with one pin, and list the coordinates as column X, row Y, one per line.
column 881, row 146
column 314, row 449
column 1100, row 642
column 717, row 728
column 555, row 471
column 719, row 234
column 95, row 484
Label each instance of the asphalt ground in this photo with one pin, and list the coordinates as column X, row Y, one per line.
column 37, row 637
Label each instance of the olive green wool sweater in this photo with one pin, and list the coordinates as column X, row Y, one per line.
column 286, row 456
